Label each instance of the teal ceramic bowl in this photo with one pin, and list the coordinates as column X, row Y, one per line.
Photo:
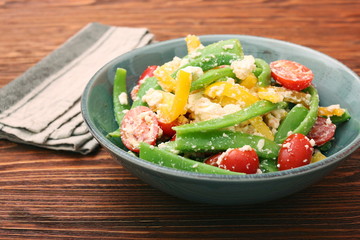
column 336, row 84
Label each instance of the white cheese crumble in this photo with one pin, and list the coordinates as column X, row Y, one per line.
column 243, row 67
column 228, row 46
column 312, row 142
column 260, row 144
column 203, row 109
column 196, row 72
column 123, row 98
column 152, row 97
column 246, row 148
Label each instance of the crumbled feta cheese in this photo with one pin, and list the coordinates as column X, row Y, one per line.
column 246, row 148
column 152, row 97
column 203, row 109
column 228, row 46
column 243, row 67
column 260, row 144
column 195, row 165
column 196, row 72
column 328, row 121
column 123, row 98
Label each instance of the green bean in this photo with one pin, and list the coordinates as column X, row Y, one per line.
column 264, row 78
column 340, row 119
column 211, row 76
column 257, row 71
column 221, row 140
column 214, row 55
column 118, row 89
column 293, row 119
column 258, row 108
column 325, row 147
column 168, row 159
column 268, row 165
column 309, row 121
column 150, row 82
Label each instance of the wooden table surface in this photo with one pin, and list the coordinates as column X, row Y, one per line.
column 47, row 194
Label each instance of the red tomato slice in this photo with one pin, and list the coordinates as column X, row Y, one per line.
column 167, row 127
column 244, row 160
column 322, row 131
column 213, row 160
column 291, row 75
column 149, row 72
column 296, row 151
column 139, row 124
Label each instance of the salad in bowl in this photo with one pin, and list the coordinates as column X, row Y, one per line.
column 220, row 111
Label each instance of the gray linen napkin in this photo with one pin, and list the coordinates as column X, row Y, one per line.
column 42, row 106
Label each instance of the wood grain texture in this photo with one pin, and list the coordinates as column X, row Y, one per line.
column 46, row 194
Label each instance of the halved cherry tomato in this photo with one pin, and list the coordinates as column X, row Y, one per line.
column 149, row 72
column 139, row 124
column 296, row 151
column 167, row 127
column 291, row 75
column 212, row 160
column 322, row 131
column 243, row 160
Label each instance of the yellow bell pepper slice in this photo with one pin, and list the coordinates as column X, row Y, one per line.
column 318, row 156
column 269, row 94
column 250, row 81
column 231, row 90
column 332, row 110
column 276, row 94
column 192, row 43
column 163, row 74
column 261, row 127
column 240, row 93
column 171, row 111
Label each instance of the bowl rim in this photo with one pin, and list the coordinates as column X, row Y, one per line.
column 107, row 144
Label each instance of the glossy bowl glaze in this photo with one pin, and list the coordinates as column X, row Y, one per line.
column 336, row 84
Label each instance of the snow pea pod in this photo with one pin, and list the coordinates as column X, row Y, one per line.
column 148, row 83
column 214, row 55
column 211, row 76
column 309, row 121
column 268, row 165
column 221, row 140
column 293, row 119
column 258, row 108
column 172, row 160
column 264, row 78
column 120, row 100
column 340, row 119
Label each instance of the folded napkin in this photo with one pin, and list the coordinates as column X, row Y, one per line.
column 42, row 106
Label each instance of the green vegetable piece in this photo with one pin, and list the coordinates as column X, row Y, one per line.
column 114, row 134
column 325, row 147
column 211, row 76
column 150, row 82
column 258, row 108
column 119, row 88
column 264, row 78
column 293, row 119
column 340, row 119
column 221, row 140
column 172, row 160
column 268, row 165
column 309, row 121
column 257, row 71
column 214, row 55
